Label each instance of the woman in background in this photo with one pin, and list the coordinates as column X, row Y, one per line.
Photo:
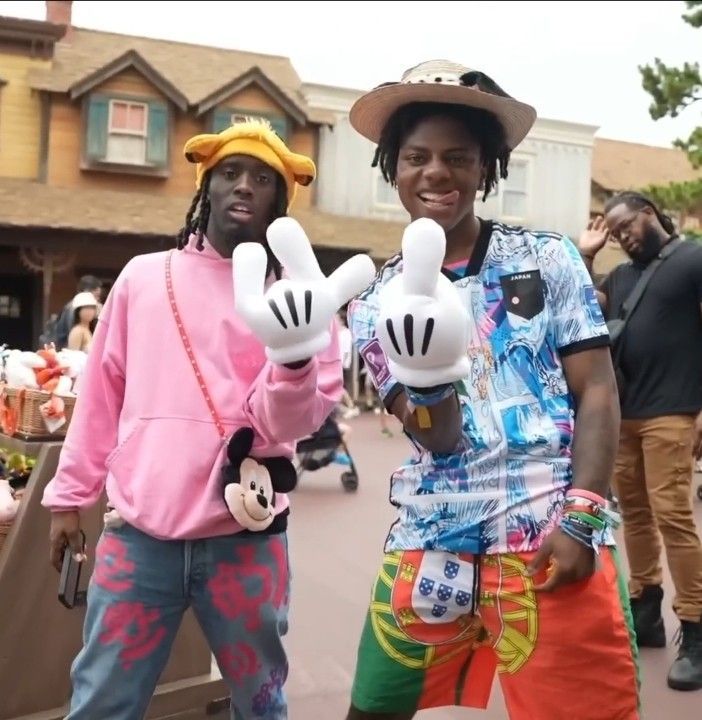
column 84, row 318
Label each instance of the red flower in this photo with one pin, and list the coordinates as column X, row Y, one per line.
column 112, row 569
column 135, row 627
column 237, row 661
column 230, row 584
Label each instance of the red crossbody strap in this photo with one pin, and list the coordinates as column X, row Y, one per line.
column 189, row 349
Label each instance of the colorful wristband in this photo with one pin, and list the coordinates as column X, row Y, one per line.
column 429, row 397
column 586, row 495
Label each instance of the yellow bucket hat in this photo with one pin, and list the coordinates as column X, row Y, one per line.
column 254, row 137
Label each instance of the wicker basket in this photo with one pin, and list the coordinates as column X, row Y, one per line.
column 30, row 423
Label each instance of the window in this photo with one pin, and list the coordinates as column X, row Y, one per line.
column 224, row 117
column 515, row 191
column 126, row 132
column 384, row 194
column 10, row 307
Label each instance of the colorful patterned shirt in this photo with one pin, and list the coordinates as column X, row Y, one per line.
column 531, row 302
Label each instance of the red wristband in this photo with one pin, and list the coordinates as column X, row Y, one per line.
column 586, row 495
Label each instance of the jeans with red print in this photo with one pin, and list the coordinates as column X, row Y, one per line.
column 238, row 588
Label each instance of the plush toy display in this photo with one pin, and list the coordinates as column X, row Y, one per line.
column 251, row 485
column 8, row 504
column 422, row 325
column 292, row 318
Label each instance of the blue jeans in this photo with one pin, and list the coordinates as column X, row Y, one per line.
column 238, row 587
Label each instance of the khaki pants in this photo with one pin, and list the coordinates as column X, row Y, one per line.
column 653, row 478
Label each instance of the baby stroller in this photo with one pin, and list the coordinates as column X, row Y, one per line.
column 325, row 447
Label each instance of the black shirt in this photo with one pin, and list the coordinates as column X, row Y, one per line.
column 662, row 343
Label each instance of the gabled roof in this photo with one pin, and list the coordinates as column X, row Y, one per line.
column 198, row 73
column 254, row 76
column 618, row 166
column 130, row 59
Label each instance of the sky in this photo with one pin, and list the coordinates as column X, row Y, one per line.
column 574, row 61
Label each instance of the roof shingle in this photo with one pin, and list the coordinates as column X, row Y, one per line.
column 197, row 71
column 618, row 166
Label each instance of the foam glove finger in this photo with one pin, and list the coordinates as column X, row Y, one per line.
column 423, row 250
column 249, row 264
column 351, row 278
column 290, row 244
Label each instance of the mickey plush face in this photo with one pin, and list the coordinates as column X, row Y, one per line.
column 252, row 500
column 250, row 485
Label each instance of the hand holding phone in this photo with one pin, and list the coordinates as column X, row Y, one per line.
column 68, row 593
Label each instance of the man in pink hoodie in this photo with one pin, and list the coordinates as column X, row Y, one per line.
column 176, row 369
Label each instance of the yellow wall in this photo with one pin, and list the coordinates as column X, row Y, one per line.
column 20, row 117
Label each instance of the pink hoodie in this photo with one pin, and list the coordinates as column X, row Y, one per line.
column 141, row 425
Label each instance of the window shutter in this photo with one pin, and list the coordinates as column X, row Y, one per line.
column 280, row 125
column 98, row 117
column 157, row 140
column 221, row 120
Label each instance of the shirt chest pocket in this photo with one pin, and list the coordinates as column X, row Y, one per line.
column 523, row 294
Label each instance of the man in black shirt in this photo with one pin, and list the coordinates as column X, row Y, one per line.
column 661, row 430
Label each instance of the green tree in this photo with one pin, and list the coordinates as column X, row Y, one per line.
column 674, row 89
column 680, row 199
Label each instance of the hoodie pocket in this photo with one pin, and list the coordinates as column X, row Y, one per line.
column 172, row 463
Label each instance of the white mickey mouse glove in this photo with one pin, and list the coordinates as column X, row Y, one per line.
column 292, row 318
column 423, row 325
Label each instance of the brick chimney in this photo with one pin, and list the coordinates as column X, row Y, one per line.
column 59, row 13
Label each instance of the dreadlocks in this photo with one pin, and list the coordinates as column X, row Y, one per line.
column 637, row 201
column 198, row 216
column 482, row 125
column 197, row 224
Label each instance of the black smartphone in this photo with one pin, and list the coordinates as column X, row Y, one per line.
column 68, row 594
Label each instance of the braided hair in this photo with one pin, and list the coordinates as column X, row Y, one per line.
column 482, row 125
column 637, row 201
column 196, row 224
column 198, row 217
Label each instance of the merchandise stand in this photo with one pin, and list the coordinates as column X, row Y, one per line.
column 39, row 637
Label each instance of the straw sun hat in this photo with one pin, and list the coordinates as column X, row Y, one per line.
column 442, row 81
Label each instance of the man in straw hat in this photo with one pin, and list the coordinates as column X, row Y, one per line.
column 183, row 373
column 487, row 343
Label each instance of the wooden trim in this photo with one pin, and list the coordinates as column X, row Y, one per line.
column 124, row 169
column 32, row 31
column 130, row 59
column 45, row 120
column 254, row 76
